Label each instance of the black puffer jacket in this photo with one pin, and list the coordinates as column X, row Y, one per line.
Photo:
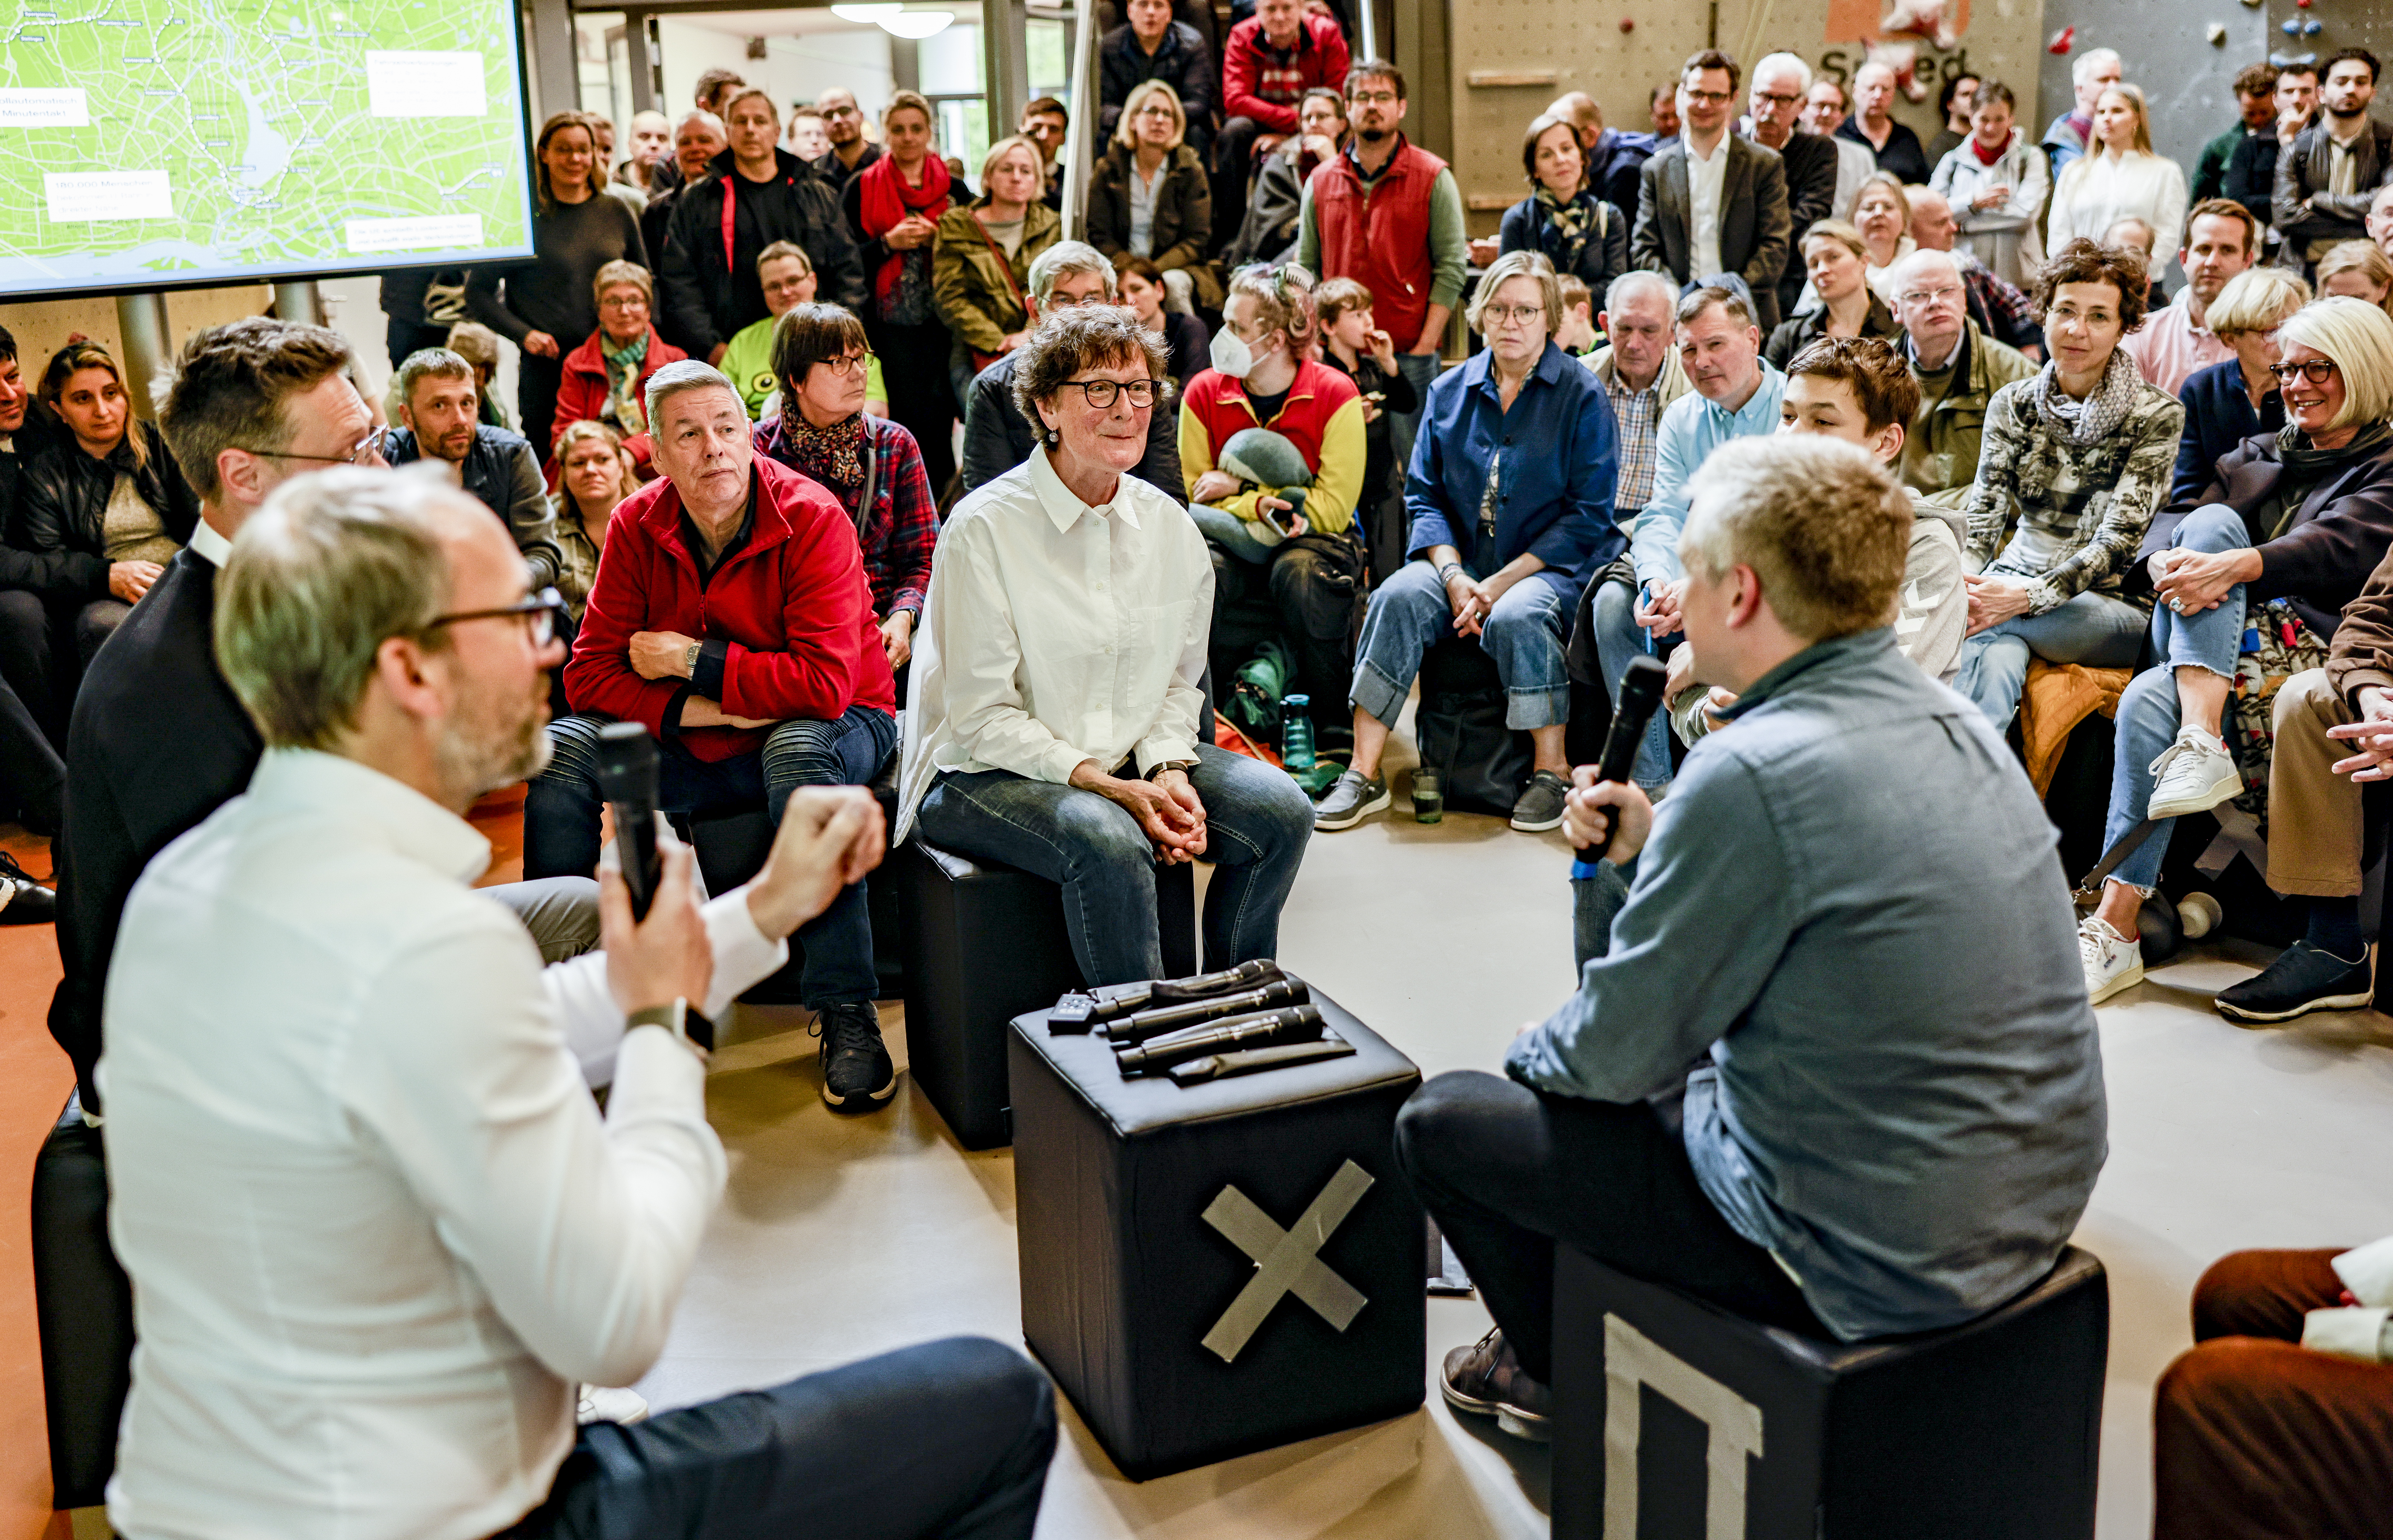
column 706, row 301
column 62, row 505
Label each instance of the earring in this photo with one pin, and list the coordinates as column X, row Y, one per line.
column 1054, row 438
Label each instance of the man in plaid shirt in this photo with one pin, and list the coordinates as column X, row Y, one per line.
column 2000, row 311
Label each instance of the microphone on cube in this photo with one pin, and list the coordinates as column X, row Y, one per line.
column 1641, row 696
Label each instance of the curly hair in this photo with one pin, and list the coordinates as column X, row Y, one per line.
column 2083, row 261
column 1085, row 336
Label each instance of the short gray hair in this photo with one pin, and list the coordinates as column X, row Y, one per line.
column 1535, row 266
column 1062, row 260
column 335, row 564
column 681, row 376
column 1627, row 286
column 1822, row 524
column 2082, row 70
column 703, row 115
column 428, row 363
column 1900, row 274
column 1769, row 62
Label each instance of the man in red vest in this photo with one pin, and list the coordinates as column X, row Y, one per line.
column 1387, row 214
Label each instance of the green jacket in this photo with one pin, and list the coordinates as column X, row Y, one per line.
column 968, row 275
column 1940, row 450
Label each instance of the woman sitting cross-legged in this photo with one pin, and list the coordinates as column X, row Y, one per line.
column 2227, row 402
column 1510, row 498
column 1055, row 716
column 2288, row 533
column 2081, row 450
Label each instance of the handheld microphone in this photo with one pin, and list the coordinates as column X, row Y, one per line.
column 627, row 778
column 1079, row 1012
column 1168, row 1018
column 1640, row 695
column 1294, row 1025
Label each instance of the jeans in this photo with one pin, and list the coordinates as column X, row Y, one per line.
column 1403, row 426
column 2148, row 720
column 1619, row 638
column 1256, row 819
column 1507, row 1171
column 1596, row 902
column 946, row 1441
column 561, row 818
column 1523, row 634
column 33, row 777
column 2093, row 629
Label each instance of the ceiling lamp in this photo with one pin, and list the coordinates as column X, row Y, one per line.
column 867, row 12
column 916, row 24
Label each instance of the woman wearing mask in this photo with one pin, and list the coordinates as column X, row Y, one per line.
column 980, row 262
column 895, row 206
column 112, row 503
column 1996, row 182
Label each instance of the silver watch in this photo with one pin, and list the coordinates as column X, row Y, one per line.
column 689, row 658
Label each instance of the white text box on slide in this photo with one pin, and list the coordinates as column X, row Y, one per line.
column 431, row 232
column 424, row 86
column 95, row 195
column 43, row 107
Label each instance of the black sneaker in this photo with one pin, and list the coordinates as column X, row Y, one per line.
column 855, row 1068
column 22, row 900
column 1542, row 803
column 2302, row 979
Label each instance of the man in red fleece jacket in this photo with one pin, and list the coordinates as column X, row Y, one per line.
column 1271, row 58
column 731, row 616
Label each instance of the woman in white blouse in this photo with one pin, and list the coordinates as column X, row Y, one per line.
column 2119, row 177
column 1996, row 182
column 1056, row 723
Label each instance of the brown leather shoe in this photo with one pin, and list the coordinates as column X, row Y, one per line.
column 1486, row 1380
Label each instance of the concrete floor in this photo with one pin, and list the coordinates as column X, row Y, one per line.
column 845, row 1236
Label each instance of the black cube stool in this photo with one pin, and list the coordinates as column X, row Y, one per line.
column 1216, row 1268
column 83, row 1305
column 982, row 943
column 1674, row 1420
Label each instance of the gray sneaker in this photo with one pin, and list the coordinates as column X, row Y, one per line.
column 1540, row 806
column 1352, row 799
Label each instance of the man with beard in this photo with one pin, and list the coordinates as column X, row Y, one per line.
column 158, row 740
column 851, row 152
column 368, row 1210
column 440, row 410
column 2335, row 166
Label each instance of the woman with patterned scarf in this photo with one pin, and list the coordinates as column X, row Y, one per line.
column 894, row 206
column 606, row 377
column 1580, row 233
column 2253, row 579
column 2082, row 452
column 872, row 464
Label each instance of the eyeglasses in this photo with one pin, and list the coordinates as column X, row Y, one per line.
column 1157, row 110
column 2313, row 369
column 540, row 613
column 368, row 448
column 1927, row 296
column 1373, row 99
column 1102, row 393
column 636, row 301
column 1776, row 98
column 846, row 364
column 1711, row 98
column 1519, row 315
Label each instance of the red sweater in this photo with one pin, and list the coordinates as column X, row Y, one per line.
column 792, row 604
column 581, row 395
column 1261, row 82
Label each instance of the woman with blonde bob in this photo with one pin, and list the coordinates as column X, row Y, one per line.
column 2287, row 533
column 1150, row 197
column 2230, row 400
column 2119, row 177
column 593, row 474
column 2358, row 270
column 980, row 259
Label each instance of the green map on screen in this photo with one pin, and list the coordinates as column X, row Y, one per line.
column 154, row 142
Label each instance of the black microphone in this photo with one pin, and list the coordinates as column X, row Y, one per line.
column 1641, row 696
column 1081, row 1012
column 627, row 778
column 1296, row 1024
column 1169, row 1018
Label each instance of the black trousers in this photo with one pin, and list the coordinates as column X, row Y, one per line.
column 33, row 777
column 914, row 367
column 402, row 338
column 537, row 383
column 1310, row 583
column 1234, row 168
column 1507, row 1171
column 949, row 1440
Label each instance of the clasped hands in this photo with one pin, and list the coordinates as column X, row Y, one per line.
column 660, row 655
column 1169, row 811
column 2192, row 581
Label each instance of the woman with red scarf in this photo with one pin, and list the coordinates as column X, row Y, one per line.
column 893, row 207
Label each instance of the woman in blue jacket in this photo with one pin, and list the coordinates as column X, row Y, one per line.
column 1509, row 496
column 2229, row 402
column 1579, row 232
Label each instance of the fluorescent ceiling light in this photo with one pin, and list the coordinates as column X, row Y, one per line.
column 916, row 24
column 866, row 12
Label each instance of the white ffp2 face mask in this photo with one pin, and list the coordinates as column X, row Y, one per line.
column 1231, row 354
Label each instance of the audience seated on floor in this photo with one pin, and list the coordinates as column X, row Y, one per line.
column 105, row 491
column 825, row 430
column 1148, row 197
column 1272, row 455
column 437, row 423
column 2221, row 240
column 1958, row 368
column 2074, row 462
column 981, row 262
column 1185, row 340
column 998, row 435
column 1883, row 1133
column 607, row 375
column 1509, row 495
column 2229, row 402
column 1354, row 344
column 1056, row 723
column 1837, row 265
column 731, row 618
column 453, row 1234
column 593, row 474
column 1737, row 395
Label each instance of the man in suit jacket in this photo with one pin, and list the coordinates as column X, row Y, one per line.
column 2326, row 177
column 1782, row 84
column 1711, row 202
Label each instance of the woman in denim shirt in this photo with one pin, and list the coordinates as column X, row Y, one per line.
column 1509, row 496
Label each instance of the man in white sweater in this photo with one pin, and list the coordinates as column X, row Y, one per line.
column 375, row 1225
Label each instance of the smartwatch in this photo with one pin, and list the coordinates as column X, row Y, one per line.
column 682, row 1019
column 689, row 658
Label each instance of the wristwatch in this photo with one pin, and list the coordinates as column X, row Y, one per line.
column 1182, row 765
column 689, row 658
column 682, row 1019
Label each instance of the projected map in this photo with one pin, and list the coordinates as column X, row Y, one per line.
column 177, row 141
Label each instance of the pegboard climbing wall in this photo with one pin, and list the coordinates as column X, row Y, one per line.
column 2188, row 80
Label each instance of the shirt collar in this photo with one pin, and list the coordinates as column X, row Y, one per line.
column 1759, row 400
column 387, row 811
column 208, row 545
column 1479, row 370
column 1064, row 506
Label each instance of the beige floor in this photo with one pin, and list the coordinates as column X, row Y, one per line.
column 844, row 1237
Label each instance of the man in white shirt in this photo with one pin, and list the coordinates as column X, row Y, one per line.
column 1713, row 205
column 2221, row 239
column 375, row 1226
column 1053, row 721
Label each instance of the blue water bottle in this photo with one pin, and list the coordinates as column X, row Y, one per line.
column 1296, row 732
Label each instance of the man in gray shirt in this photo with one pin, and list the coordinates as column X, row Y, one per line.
column 1836, row 1071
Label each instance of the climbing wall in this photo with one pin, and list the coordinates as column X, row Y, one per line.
column 2188, row 78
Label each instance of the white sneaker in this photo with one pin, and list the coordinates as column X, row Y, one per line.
column 608, row 1403
column 2112, row 962
column 2193, row 775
